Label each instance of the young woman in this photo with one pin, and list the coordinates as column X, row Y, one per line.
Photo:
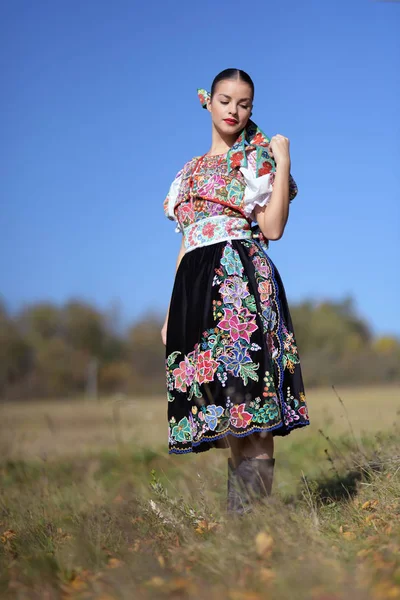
column 232, row 364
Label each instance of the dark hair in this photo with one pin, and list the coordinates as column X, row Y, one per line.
column 232, row 74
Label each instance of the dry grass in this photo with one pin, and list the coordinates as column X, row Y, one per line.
column 92, row 506
column 59, row 428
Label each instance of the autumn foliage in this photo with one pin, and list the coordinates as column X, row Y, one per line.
column 48, row 350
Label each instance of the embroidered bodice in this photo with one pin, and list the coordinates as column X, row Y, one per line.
column 210, row 203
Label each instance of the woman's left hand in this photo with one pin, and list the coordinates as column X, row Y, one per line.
column 279, row 149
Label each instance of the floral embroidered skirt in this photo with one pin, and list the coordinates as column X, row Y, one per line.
column 232, row 364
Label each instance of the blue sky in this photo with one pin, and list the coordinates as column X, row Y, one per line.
column 99, row 111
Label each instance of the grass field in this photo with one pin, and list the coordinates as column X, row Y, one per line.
column 92, row 506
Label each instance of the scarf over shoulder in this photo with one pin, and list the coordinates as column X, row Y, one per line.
column 248, row 180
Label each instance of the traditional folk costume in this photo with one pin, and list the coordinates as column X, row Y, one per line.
column 232, row 364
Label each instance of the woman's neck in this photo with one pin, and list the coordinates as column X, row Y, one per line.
column 220, row 144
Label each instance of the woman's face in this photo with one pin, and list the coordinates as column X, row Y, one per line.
column 231, row 106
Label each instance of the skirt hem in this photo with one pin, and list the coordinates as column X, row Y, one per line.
column 277, row 430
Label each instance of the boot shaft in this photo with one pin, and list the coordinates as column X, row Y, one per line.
column 248, row 483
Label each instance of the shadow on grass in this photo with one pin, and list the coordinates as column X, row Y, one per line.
column 339, row 487
column 342, row 486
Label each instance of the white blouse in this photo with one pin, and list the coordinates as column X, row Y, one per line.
column 172, row 198
column 258, row 190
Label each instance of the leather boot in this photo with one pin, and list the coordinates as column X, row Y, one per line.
column 236, row 501
column 248, row 483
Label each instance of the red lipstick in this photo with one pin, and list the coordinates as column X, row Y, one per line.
column 231, row 121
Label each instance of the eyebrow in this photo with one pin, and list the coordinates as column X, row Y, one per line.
column 230, row 98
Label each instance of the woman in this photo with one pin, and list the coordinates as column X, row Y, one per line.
column 232, row 365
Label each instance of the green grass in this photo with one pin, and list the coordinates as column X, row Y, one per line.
column 116, row 517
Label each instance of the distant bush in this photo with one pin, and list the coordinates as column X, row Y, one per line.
column 56, row 351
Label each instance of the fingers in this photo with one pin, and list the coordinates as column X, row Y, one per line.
column 281, row 144
column 279, row 137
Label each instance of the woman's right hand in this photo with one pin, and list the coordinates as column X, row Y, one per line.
column 164, row 333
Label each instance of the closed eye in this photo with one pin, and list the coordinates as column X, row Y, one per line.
column 242, row 105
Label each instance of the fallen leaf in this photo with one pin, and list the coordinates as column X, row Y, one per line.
column 136, row 519
column 114, row 563
column 118, row 499
column 264, row 543
column 370, row 518
column 179, row 584
column 78, row 583
column 199, row 530
column 349, row 535
column 204, row 525
column 161, row 561
column 267, row 575
column 388, row 530
column 8, row 535
column 156, row 581
column 385, row 590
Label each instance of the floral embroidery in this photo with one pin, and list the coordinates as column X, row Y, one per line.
column 236, row 159
column 265, row 168
column 206, row 367
column 265, row 290
column 187, row 213
column 231, row 262
column 265, row 412
column 211, row 417
column 233, row 291
column 226, row 351
column 182, row 432
column 215, row 229
column 246, row 327
column 208, row 230
column 238, row 362
column 217, row 180
column 184, row 375
column 240, row 417
column 239, row 325
column 211, row 182
column 212, row 186
column 290, row 355
column 294, row 409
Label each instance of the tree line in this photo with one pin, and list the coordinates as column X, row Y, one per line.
column 52, row 351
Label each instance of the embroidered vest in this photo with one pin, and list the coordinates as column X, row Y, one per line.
column 210, row 179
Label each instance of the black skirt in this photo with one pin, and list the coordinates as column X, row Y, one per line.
column 232, row 364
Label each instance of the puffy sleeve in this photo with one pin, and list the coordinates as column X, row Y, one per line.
column 258, row 190
column 170, row 200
